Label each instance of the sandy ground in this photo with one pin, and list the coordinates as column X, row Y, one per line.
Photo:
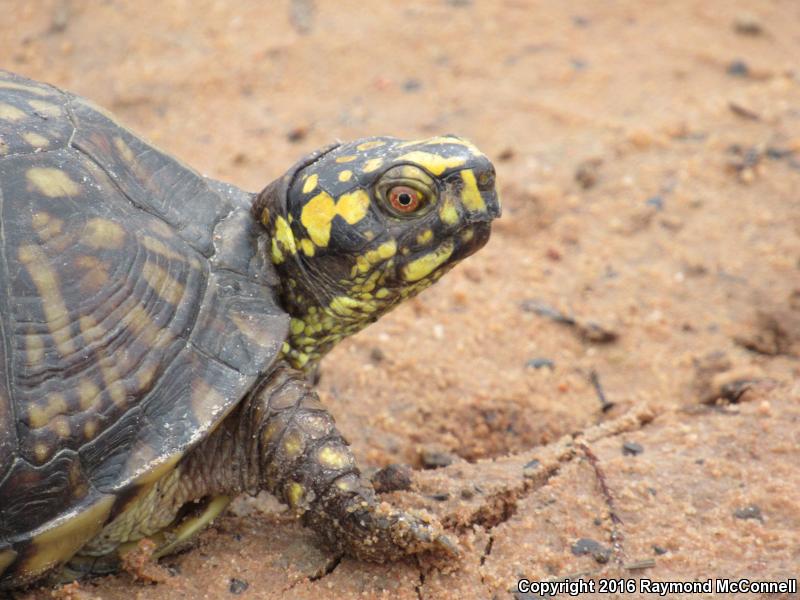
column 614, row 379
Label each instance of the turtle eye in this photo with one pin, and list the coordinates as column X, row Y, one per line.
column 405, row 199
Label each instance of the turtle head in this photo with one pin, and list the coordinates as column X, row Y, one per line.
column 358, row 227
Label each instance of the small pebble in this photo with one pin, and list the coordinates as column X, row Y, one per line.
column 412, row 85
column 237, row 586
column 540, row 363
column 656, row 202
column 392, row 478
column 749, row 512
column 659, row 549
column 435, row 459
column 297, row 134
column 376, row 355
column 632, row 449
column 747, row 25
column 738, row 68
column 587, row 546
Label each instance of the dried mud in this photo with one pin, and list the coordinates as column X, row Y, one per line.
column 610, row 387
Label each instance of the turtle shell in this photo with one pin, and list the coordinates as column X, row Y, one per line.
column 135, row 312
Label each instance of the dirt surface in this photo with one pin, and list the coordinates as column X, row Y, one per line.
column 613, row 380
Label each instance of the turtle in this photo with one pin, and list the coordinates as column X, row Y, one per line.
column 160, row 331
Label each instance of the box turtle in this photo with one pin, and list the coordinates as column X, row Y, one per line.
column 160, row 331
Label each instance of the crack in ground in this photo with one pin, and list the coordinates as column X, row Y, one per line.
column 418, row 587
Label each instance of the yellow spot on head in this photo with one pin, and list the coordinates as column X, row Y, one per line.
column 310, row 183
column 319, row 212
column 448, row 212
column 372, row 164
column 434, row 163
column 265, row 216
column 346, row 159
column 387, row 249
column 345, row 175
column 284, row 235
column 334, row 458
column 426, row 264
column 307, row 246
column 102, row 233
column 369, row 145
column 353, row 207
column 425, row 237
column 10, row 113
column 53, row 183
column 470, row 195
column 36, row 140
column 467, row 235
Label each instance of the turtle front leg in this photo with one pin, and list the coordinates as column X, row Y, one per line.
column 306, row 462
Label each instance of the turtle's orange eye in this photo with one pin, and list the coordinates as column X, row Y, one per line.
column 404, row 199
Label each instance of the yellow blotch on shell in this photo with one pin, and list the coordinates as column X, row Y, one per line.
column 41, row 452
column 124, row 150
column 310, row 183
column 48, row 109
column 319, row 212
column 382, row 293
column 167, row 288
column 34, row 348
column 90, row 429
column 334, row 458
column 53, row 183
column 370, row 145
column 423, row 266
column 372, row 164
column 10, row 113
column 434, row 163
column 102, row 233
column 10, row 85
column 56, row 544
column 40, row 415
column 47, row 283
column 36, row 140
column 88, row 393
column 159, row 247
column 470, row 195
column 345, row 175
column 346, row 159
column 60, row 425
